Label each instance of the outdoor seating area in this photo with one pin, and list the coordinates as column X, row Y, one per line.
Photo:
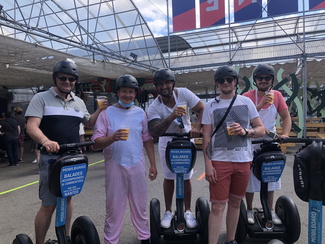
column 315, row 129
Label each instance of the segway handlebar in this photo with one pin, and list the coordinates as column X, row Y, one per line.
column 179, row 134
column 69, row 146
column 288, row 140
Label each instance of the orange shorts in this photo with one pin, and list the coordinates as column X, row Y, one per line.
column 232, row 179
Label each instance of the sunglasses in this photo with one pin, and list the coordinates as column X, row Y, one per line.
column 266, row 78
column 181, row 125
column 222, row 80
column 64, row 78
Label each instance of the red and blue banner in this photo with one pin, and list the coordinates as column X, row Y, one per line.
column 247, row 10
column 316, row 4
column 212, row 12
column 183, row 15
column 281, row 7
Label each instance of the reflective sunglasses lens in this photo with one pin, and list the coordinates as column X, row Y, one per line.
column 266, row 78
column 64, row 78
column 222, row 80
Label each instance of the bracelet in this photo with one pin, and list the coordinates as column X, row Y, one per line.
column 44, row 141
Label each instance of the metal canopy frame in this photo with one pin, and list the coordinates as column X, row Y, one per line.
column 276, row 40
column 96, row 33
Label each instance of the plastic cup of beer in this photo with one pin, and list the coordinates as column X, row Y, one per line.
column 229, row 129
column 271, row 95
column 100, row 101
column 126, row 132
column 182, row 105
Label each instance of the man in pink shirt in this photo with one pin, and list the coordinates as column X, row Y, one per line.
column 269, row 103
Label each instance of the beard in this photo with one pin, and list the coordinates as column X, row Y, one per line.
column 167, row 94
column 263, row 89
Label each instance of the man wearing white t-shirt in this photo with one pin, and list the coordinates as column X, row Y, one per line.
column 165, row 116
column 228, row 160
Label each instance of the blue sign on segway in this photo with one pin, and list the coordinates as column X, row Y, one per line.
column 272, row 171
column 180, row 160
column 72, row 179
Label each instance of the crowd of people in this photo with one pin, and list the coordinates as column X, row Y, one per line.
column 55, row 117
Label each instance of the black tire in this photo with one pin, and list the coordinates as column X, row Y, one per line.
column 202, row 212
column 155, row 229
column 287, row 211
column 83, row 231
column 241, row 231
column 22, row 239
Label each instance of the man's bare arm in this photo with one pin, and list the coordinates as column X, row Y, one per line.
column 158, row 127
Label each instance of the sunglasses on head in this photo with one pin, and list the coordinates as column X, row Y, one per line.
column 64, row 78
column 266, row 78
column 222, row 80
column 181, row 125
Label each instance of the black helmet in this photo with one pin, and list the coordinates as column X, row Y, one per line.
column 67, row 67
column 163, row 75
column 225, row 71
column 263, row 69
column 126, row 81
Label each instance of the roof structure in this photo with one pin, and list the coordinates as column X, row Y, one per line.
column 108, row 38
column 105, row 38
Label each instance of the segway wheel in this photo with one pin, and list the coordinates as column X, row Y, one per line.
column 155, row 229
column 202, row 211
column 83, row 231
column 22, row 239
column 241, row 231
column 287, row 211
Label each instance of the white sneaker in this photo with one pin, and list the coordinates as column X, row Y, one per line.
column 166, row 220
column 275, row 218
column 189, row 219
column 250, row 217
column 34, row 161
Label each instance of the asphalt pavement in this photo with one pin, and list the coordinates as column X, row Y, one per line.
column 19, row 198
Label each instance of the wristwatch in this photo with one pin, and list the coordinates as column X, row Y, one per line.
column 246, row 132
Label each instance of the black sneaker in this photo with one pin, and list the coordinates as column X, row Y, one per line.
column 145, row 241
column 49, row 241
column 69, row 240
column 231, row 242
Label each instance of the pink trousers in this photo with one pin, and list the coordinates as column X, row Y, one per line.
column 124, row 184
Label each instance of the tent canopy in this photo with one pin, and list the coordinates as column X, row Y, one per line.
column 111, row 38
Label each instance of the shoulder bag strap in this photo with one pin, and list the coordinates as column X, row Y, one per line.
column 225, row 115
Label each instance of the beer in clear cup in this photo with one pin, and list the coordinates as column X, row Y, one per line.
column 229, row 129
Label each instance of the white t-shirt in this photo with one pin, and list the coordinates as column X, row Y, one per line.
column 226, row 147
column 158, row 110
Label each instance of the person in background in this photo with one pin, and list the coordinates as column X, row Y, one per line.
column 53, row 118
column 122, row 131
column 268, row 107
column 229, row 156
column 165, row 115
column 10, row 131
column 21, row 138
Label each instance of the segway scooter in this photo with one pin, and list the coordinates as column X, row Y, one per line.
column 268, row 165
column 180, row 158
column 67, row 174
column 308, row 172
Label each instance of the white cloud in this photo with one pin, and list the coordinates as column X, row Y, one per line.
column 155, row 13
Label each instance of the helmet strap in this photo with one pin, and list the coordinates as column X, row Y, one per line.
column 125, row 105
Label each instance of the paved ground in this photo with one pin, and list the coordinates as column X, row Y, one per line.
column 19, row 198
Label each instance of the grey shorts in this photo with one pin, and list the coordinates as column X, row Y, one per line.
column 48, row 199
